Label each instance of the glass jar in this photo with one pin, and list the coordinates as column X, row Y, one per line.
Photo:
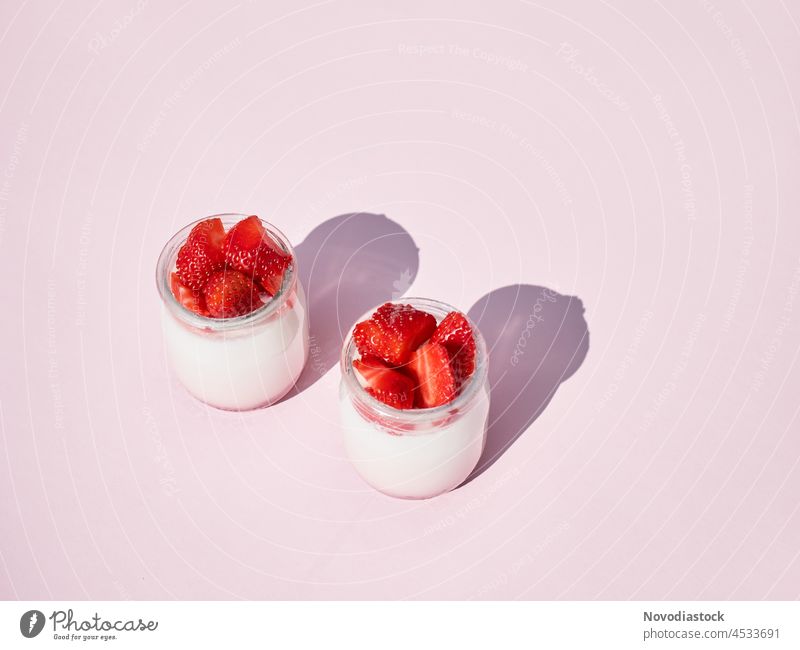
column 237, row 363
column 414, row 453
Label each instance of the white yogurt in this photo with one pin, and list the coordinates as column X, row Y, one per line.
column 415, row 465
column 244, row 368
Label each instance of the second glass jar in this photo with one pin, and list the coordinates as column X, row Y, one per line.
column 414, row 453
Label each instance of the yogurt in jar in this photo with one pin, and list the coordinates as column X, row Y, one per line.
column 237, row 363
column 414, row 453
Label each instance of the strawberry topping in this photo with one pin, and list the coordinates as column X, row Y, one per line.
column 436, row 384
column 202, row 254
column 455, row 334
column 192, row 300
column 393, row 332
column 247, row 251
column 401, row 346
column 386, row 384
column 231, row 293
column 250, row 249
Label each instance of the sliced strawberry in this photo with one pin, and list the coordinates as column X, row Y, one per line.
column 384, row 383
column 245, row 238
column 190, row 299
column 250, row 249
column 371, row 368
column 436, row 384
column 201, row 255
column 393, row 332
column 455, row 333
column 230, row 293
column 368, row 337
column 270, row 270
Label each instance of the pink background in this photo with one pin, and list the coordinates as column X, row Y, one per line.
column 639, row 157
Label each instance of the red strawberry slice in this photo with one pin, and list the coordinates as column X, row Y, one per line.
column 455, row 333
column 201, row 255
column 250, row 249
column 386, row 384
column 436, row 384
column 270, row 269
column 393, row 332
column 230, row 293
column 190, row 299
column 368, row 337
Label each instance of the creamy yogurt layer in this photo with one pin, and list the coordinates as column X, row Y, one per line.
column 415, row 465
column 244, row 368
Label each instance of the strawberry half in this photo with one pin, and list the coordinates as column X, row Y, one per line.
column 190, row 299
column 393, row 332
column 249, row 248
column 230, row 293
column 385, row 383
column 455, row 334
column 201, row 255
column 436, row 384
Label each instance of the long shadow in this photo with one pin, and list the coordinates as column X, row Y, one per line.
column 537, row 339
column 349, row 264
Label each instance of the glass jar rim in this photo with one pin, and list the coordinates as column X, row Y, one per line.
column 165, row 266
column 404, row 417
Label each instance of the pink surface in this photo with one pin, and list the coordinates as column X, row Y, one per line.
column 640, row 158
